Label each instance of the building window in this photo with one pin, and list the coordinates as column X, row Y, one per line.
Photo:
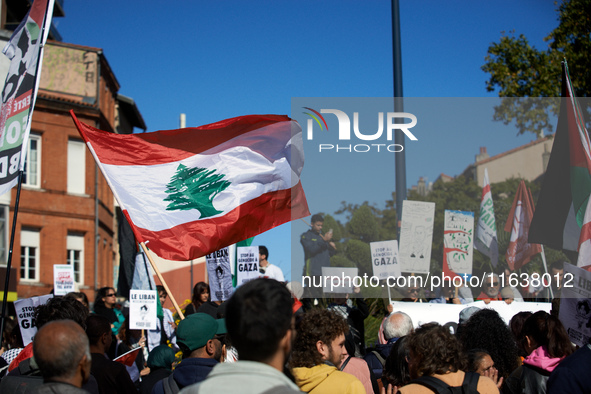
column 30, row 255
column 76, row 167
column 32, row 173
column 75, row 256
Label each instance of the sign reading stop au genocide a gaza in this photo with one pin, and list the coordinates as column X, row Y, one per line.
column 384, row 259
column 24, row 314
column 247, row 264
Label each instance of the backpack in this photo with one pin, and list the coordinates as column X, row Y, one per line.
column 438, row 386
column 29, row 378
column 170, row 385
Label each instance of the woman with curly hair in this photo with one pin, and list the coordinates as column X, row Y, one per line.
column 435, row 358
column 486, row 330
column 547, row 344
column 200, row 296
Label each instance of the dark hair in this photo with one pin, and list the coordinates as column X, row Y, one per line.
column 78, row 296
column 258, row 315
column 555, row 309
column 396, row 370
column 100, row 294
column 61, row 308
column 516, row 326
column 263, row 250
column 96, row 326
column 434, row 350
column 198, row 289
column 12, row 334
column 486, row 330
column 557, row 265
column 548, row 331
column 316, row 325
column 317, row 218
column 160, row 289
column 475, row 356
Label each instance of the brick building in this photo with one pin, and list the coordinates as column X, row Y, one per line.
column 66, row 212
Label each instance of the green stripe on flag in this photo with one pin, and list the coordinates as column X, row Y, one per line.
column 580, row 181
column 246, row 242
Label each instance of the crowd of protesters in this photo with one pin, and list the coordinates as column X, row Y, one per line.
column 265, row 340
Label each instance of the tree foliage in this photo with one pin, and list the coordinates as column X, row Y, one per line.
column 517, row 69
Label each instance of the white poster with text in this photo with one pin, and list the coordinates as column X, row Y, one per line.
column 416, row 236
column 24, row 313
column 143, row 306
column 384, row 259
column 247, row 264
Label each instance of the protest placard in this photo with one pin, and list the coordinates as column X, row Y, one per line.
column 247, row 264
column 143, row 306
column 416, row 236
column 575, row 304
column 219, row 273
column 384, row 259
column 458, row 241
column 63, row 279
column 24, row 313
column 339, row 279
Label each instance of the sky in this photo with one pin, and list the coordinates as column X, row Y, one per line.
column 218, row 59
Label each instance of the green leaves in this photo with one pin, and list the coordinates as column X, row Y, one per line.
column 519, row 70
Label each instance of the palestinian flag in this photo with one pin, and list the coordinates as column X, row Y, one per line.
column 192, row 191
column 563, row 199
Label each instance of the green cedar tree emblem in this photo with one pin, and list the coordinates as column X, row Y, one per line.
column 195, row 188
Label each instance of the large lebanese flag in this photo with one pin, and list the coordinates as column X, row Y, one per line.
column 189, row 192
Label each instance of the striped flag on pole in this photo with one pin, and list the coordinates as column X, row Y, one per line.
column 520, row 251
column 25, row 51
column 192, row 191
column 563, row 200
column 486, row 241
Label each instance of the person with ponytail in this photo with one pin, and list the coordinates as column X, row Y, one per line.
column 547, row 343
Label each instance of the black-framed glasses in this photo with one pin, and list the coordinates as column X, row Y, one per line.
column 413, row 290
column 110, row 295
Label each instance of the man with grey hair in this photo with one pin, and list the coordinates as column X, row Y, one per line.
column 397, row 325
column 491, row 289
column 63, row 355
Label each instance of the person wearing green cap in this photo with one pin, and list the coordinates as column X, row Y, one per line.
column 200, row 337
column 262, row 328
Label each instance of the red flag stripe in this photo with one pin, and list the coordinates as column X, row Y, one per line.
column 253, row 131
column 194, row 239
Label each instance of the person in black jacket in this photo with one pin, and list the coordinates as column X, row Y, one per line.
column 318, row 248
column 160, row 363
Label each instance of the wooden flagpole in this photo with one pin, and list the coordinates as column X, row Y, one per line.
column 174, row 303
